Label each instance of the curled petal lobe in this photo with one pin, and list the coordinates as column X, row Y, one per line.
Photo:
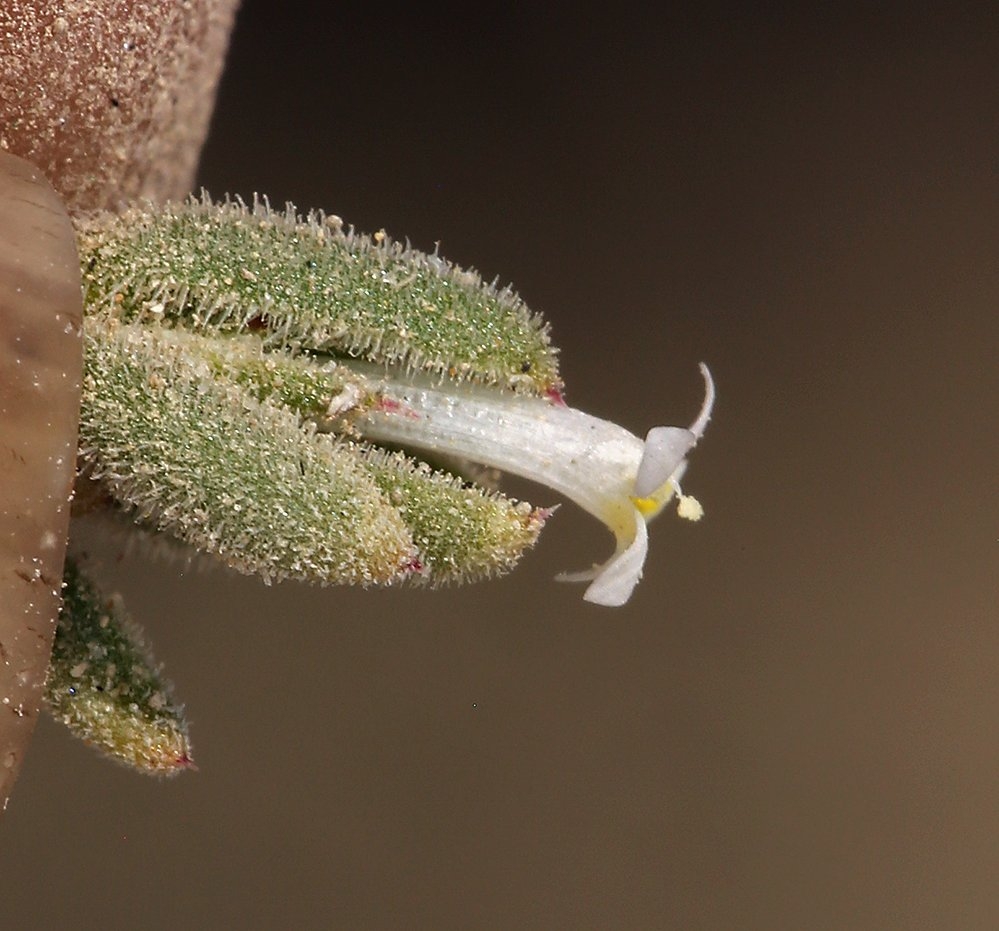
column 612, row 583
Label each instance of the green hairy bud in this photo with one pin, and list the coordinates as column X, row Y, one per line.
column 104, row 686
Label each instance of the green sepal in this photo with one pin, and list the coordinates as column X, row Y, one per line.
column 306, row 283
column 215, row 441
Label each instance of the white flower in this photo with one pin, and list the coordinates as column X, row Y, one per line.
column 605, row 469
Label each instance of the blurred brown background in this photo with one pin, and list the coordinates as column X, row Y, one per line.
column 794, row 722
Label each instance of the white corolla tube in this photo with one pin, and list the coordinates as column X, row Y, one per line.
column 608, row 471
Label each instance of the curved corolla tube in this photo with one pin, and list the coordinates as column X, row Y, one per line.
column 604, row 468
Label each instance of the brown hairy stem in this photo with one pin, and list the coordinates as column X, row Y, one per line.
column 41, row 364
column 111, row 99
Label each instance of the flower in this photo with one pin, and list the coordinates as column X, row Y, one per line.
column 604, row 468
column 243, row 366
